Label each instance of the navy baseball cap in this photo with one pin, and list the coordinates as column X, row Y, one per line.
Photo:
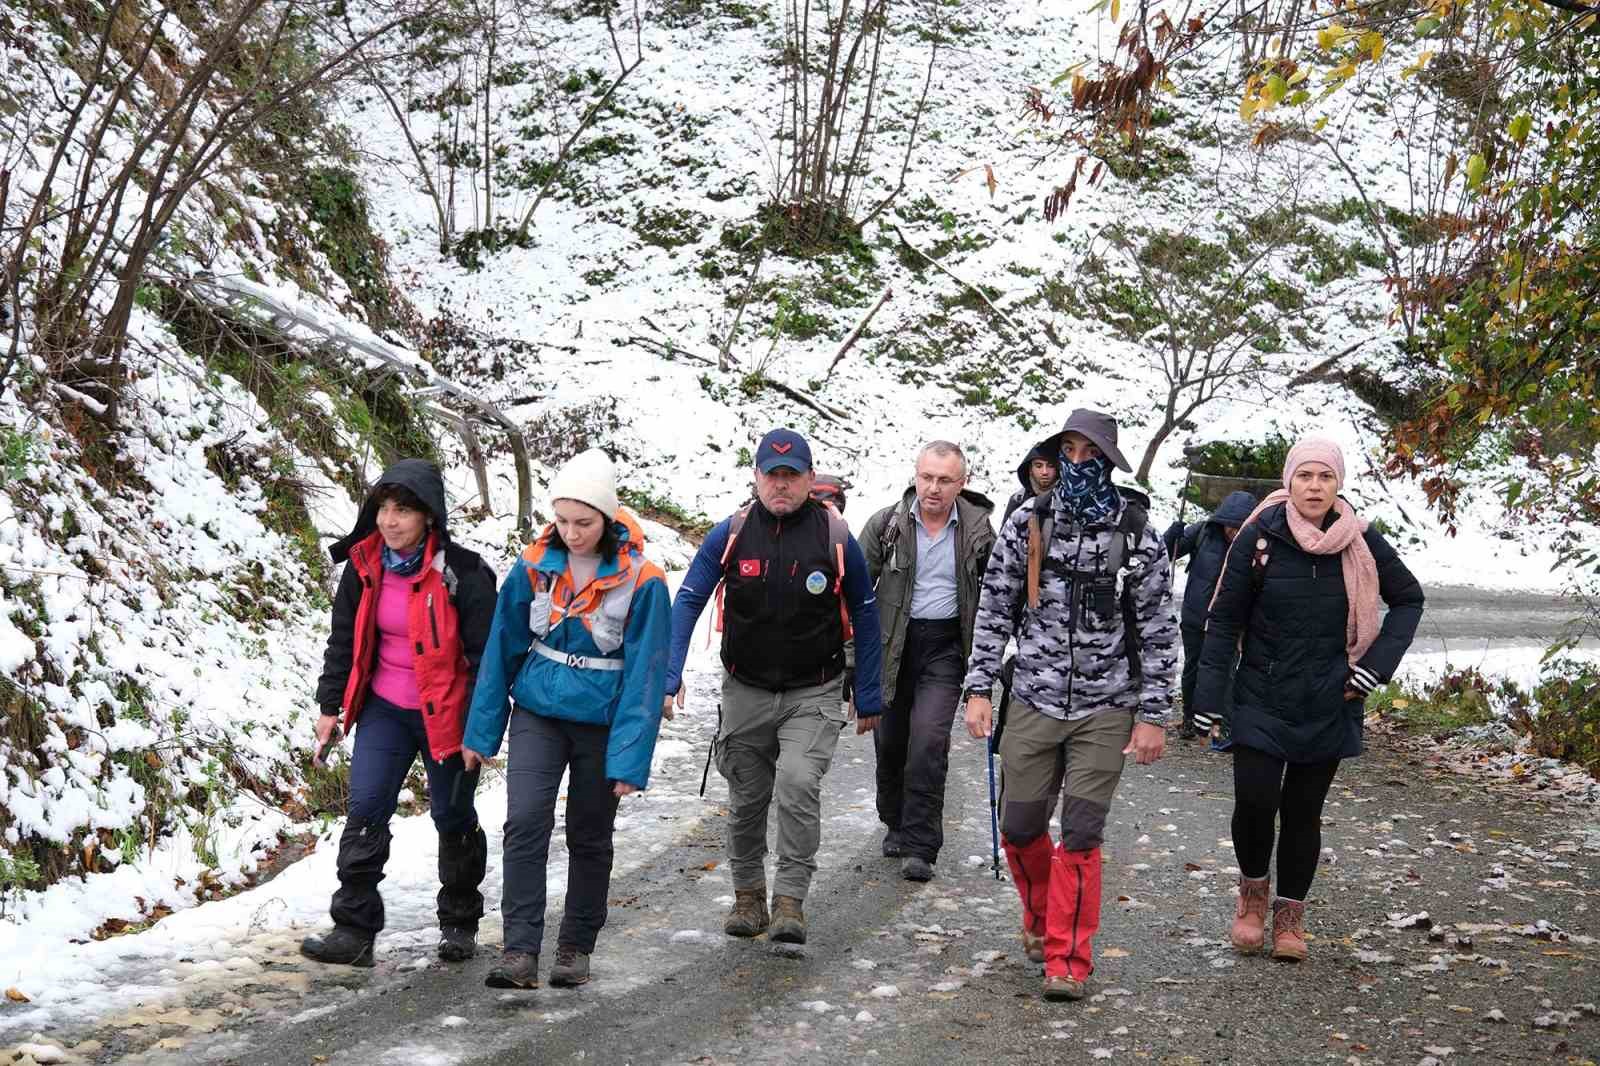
column 783, row 447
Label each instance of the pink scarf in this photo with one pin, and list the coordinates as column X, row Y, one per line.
column 1343, row 538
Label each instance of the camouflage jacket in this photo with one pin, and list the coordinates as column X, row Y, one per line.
column 1068, row 672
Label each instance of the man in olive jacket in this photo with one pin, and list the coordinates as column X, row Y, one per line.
column 926, row 555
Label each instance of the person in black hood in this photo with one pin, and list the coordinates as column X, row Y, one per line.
column 1206, row 545
column 410, row 619
column 1038, row 472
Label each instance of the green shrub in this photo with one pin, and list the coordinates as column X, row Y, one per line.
column 1263, row 459
column 1456, row 699
column 1564, row 722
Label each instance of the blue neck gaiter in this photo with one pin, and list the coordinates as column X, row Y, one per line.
column 1085, row 489
column 402, row 565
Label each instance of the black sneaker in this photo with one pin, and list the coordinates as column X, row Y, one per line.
column 457, row 944
column 340, row 946
column 515, row 970
column 892, row 847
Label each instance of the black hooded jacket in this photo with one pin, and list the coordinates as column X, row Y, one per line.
column 1288, row 627
column 474, row 579
column 1206, row 544
column 1027, row 491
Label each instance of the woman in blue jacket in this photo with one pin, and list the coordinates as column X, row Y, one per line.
column 580, row 640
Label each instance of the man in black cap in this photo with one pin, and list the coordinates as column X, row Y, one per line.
column 796, row 582
column 1096, row 656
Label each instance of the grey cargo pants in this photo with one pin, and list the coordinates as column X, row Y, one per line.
column 777, row 746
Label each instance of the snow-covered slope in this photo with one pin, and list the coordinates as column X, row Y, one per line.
column 637, row 246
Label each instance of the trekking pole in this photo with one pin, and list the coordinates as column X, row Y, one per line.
column 705, row 774
column 994, row 817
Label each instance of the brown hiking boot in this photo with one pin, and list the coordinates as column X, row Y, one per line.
column 1288, row 930
column 516, row 969
column 749, row 915
column 1250, row 915
column 788, row 923
column 571, row 968
column 1059, row 988
column 1033, row 946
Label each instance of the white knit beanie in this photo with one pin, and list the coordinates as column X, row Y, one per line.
column 588, row 477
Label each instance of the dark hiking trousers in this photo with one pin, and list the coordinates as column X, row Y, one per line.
column 388, row 741
column 912, row 741
column 1270, row 794
column 1194, row 638
column 542, row 749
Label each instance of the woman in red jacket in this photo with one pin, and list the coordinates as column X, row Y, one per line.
column 410, row 620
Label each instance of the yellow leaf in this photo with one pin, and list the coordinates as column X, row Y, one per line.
column 1401, row 703
column 1247, row 108
column 15, row 995
column 1116, row 10
column 1114, row 953
column 1298, row 76
column 1377, row 49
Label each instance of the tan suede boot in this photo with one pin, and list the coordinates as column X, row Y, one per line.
column 1288, row 929
column 788, row 921
column 1250, row 915
column 749, row 915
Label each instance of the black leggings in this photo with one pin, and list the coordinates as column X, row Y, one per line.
column 1266, row 790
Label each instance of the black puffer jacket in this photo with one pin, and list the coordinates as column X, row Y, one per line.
column 1289, row 694
column 1205, row 543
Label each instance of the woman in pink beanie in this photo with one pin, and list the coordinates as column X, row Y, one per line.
column 1298, row 599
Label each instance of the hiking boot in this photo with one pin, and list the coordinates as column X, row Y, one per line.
column 341, row 946
column 1250, row 915
column 749, row 916
column 788, row 923
column 1288, row 929
column 892, row 847
column 1060, row 988
column 1033, row 946
column 571, row 968
column 457, row 944
column 515, row 969
column 915, row 869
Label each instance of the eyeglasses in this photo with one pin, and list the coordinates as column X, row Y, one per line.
column 939, row 482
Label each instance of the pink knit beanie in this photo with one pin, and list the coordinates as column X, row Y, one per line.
column 1314, row 450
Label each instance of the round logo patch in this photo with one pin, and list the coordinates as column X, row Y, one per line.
column 816, row 582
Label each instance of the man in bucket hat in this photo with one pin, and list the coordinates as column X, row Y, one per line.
column 1096, row 658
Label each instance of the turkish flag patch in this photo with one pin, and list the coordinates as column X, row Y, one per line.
column 749, row 567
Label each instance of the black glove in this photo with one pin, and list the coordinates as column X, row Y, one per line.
column 1170, row 537
column 1360, row 683
column 849, row 683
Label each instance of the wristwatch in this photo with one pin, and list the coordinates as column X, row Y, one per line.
column 1153, row 719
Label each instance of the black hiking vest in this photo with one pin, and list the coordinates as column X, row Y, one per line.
column 782, row 624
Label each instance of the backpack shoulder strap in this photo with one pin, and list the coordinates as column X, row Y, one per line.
column 1041, row 524
column 736, row 523
column 1130, row 527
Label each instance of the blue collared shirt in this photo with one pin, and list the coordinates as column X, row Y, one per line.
column 934, row 594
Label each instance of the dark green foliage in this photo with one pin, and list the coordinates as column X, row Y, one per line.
column 1250, row 459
